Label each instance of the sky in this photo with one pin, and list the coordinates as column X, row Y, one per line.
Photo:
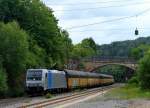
column 74, row 14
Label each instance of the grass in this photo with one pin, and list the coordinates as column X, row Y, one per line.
column 48, row 95
column 128, row 92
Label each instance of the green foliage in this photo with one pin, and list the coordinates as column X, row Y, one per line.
column 128, row 92
column 48, row 95
column 118, row 72
column 144, row 71
column 65, row 48
column 13, row 50
column 134, row 80
column 47, row 42
column 122, row 48
column 139, row 51
column 89, row 43
column 81, row 66
column 3, row 82
column 86, row 48
column 36, row 56
column 136, row 53
column 30, row 38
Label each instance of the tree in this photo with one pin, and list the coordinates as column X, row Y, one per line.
column 144, row 71
column 13, row 50
column 122, row 48
column 38, row 20
column 89, row 43
column 139, row 51
column 66, row 47
column 63, row 50
column 86, row 48
column 3, row 81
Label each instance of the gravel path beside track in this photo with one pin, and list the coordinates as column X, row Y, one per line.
column 101, row 101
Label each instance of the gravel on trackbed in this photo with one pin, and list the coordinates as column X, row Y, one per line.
column 104, row 102
column 16, row 102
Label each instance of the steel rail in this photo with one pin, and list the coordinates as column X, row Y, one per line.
column 64, row 98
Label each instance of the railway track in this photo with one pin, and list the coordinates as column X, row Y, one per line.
column 66, row 98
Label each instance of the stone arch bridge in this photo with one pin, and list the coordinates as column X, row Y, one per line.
column 94, row 63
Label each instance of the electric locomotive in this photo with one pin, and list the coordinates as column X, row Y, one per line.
column 39, row 80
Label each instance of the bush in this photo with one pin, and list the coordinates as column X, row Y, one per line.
column 134, row 80
column 13, row 50
column 48, row 95
column 144, row 72
column 3, row 83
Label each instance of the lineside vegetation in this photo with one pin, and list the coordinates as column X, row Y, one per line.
column 138, row 86
column 31, row 38
column 129, row 91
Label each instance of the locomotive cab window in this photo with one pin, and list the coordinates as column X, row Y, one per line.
column 46, row 75
column 34, row 75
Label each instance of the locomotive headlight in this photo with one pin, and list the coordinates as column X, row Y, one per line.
column 39, row 84
column 28, row 84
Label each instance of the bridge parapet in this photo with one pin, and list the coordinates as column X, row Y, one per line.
column 110, row 59
column 92, row 63
column 96, row 62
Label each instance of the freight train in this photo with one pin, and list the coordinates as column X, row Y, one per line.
column 39, row 80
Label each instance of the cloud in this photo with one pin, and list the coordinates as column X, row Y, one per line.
column 105, row 32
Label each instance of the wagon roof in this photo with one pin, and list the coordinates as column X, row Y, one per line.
column 74, row 73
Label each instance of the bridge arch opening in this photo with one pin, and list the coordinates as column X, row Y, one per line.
column 115, row 64
column 121, row 73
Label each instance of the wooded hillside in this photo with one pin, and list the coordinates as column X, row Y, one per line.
column 122, row 48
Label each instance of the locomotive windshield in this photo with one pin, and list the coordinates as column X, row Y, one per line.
column 34, row 75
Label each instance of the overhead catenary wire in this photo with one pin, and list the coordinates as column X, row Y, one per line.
column 117, row 29
column 107, row 21
column 93, row 8
column 112, row 20
column 87, row 3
